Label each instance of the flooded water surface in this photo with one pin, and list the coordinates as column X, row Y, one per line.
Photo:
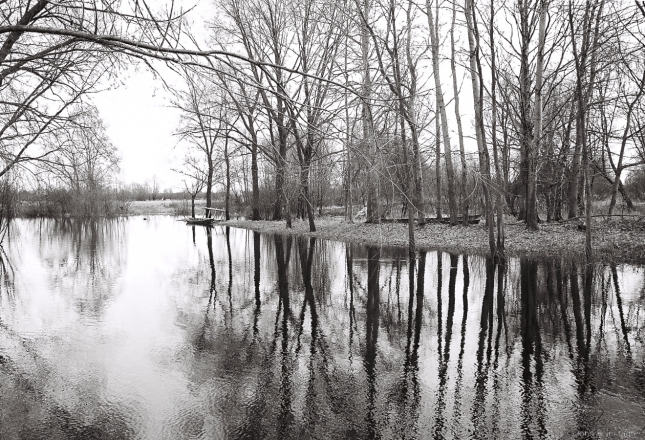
column 151, row 329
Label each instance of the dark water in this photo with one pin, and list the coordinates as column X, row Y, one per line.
column 141, row 329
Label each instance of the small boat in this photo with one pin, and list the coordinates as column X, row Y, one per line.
column 200, row 221
column 206, row 220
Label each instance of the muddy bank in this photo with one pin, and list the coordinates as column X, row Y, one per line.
column 613, row 241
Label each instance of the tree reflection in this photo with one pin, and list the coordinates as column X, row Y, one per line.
column 7, row 277
column 485, row 334
column 212, row 290
column 462, row 344
column 444, row 358
column 349, row 264
column 532, row 409
column 501, row 325
column 501, row 308
column 407, row 389
column 621, row 313
column 371, row 337
column 582, row 368
column 282, row 363
column 285, row 415
column 306, row 260
column 230, row 271
column 256, row 280
column 87, row 254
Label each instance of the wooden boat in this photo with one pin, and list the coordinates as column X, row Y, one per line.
column 200, row 221
column 206, row 221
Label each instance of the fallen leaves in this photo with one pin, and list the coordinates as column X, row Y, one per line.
column 618, row 242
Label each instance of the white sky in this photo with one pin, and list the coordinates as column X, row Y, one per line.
column 140, row 123
column 139, row 119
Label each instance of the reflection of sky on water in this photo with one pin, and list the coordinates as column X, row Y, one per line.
column 116, row 329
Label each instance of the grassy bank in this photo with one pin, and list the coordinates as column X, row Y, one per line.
column 165, row 207
column 615, row 240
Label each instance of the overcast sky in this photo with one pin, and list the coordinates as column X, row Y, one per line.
column 139, row 119
column 140, row 123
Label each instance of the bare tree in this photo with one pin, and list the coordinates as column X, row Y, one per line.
column 194, row 179
column 55, row 53
column 203, row 123
column 441, row 107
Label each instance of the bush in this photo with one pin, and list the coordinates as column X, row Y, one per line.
column 57, row 202
column 635, row 184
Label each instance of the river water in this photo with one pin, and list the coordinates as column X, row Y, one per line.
column 151, row 329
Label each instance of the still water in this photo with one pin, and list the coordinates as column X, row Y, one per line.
column 150, row 329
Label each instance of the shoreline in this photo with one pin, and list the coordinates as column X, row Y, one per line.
column 615, row 239
column 610, row 243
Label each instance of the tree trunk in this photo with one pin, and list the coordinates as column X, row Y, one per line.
column 499, row 196
column 279, row 181
column 531, row 197
column 255, row 197
column 348, row 168
column 209, row 187
column 526, row 142
column 408, row 189
column 373, row 215
column 412, row 120
column 484, row 160
column 460, row 134
column 441, row 107
column 582, row 100
column 227, row 196
column 304, row 182
column 580, row 57
column 438, row 153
